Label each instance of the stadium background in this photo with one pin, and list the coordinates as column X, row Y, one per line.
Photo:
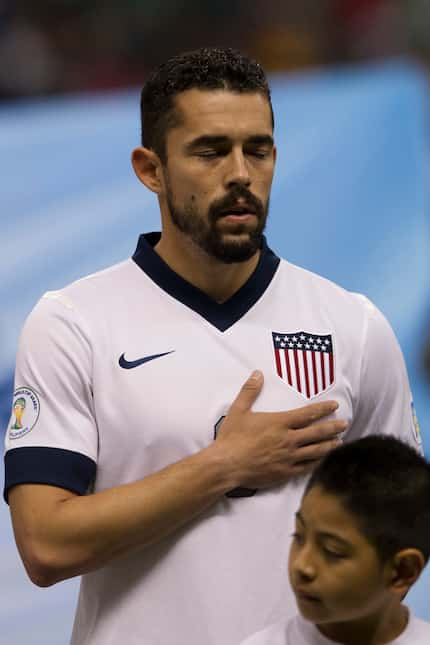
column 350, row 198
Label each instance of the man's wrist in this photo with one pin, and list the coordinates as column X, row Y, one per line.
column 221, row 467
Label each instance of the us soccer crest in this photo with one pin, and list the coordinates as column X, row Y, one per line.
column 305, row 361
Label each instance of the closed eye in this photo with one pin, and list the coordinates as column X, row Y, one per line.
column 333, row 555
column 208, row 154
column 259, row 153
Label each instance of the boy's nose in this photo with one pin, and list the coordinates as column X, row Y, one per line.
column 303, row 567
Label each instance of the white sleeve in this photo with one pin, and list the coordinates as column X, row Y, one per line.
column 384, row 402
column 52, row 434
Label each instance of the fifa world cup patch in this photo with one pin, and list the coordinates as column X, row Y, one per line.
column 305, row 361
column 25, row 412
column 415, row 425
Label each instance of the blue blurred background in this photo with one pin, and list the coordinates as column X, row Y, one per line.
column 350, row 198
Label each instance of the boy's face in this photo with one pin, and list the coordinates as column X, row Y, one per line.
column 334, row 571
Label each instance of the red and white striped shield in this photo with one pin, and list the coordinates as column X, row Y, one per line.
column 305, row 361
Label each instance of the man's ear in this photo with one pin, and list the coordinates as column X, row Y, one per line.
column 406, row 568
column 147, row 166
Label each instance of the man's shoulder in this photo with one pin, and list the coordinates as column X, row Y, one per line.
column 320, row 287
column 87, row 297
column 99, row 287
column 103, row 279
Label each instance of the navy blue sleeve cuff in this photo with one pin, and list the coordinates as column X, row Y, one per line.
column 53, row 466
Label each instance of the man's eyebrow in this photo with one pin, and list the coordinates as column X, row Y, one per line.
column 261, row 140
column 208, row 140
column 222, row 140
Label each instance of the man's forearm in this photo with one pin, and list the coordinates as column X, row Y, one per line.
column 67, row 535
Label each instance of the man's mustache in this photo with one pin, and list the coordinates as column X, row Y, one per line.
column 231, row 201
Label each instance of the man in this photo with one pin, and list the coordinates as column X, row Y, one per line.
column 140, row 375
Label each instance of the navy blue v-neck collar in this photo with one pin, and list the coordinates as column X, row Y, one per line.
column 221, row 315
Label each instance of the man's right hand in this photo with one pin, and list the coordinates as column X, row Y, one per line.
column 267, row 448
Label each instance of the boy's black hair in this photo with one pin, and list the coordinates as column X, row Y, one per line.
column 205, row 69
column 385, row 485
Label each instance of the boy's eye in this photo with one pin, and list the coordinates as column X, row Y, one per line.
column 332, row 555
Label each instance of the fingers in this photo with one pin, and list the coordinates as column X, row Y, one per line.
column 297, row 418
column 319, row 432
column 248, row 392
column 301, row 417
column 309, row 457
column 303, row 468
column 316, row 451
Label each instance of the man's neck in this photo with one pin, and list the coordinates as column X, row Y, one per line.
column 220, row 281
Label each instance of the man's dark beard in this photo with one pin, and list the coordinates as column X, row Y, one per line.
column 208, row 237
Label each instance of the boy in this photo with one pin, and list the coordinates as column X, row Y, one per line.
column 362, row 539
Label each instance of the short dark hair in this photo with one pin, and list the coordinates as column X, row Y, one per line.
column 205, row 69
column 385, row 485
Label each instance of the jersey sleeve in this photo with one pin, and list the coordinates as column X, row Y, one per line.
column 52, row 436
column 384, row 402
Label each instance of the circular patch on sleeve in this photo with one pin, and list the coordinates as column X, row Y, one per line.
column 25, row 412
column 415, row 425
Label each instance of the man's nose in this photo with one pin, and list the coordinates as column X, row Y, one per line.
column 237, row 169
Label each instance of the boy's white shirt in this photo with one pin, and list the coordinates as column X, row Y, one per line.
column 298, row 631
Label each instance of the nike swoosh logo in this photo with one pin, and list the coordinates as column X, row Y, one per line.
column 128, row 365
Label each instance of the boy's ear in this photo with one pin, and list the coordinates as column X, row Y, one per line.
column 406, row 568
column 147, row 166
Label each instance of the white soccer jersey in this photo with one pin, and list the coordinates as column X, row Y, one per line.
column 130, row 369
column 298, row 631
